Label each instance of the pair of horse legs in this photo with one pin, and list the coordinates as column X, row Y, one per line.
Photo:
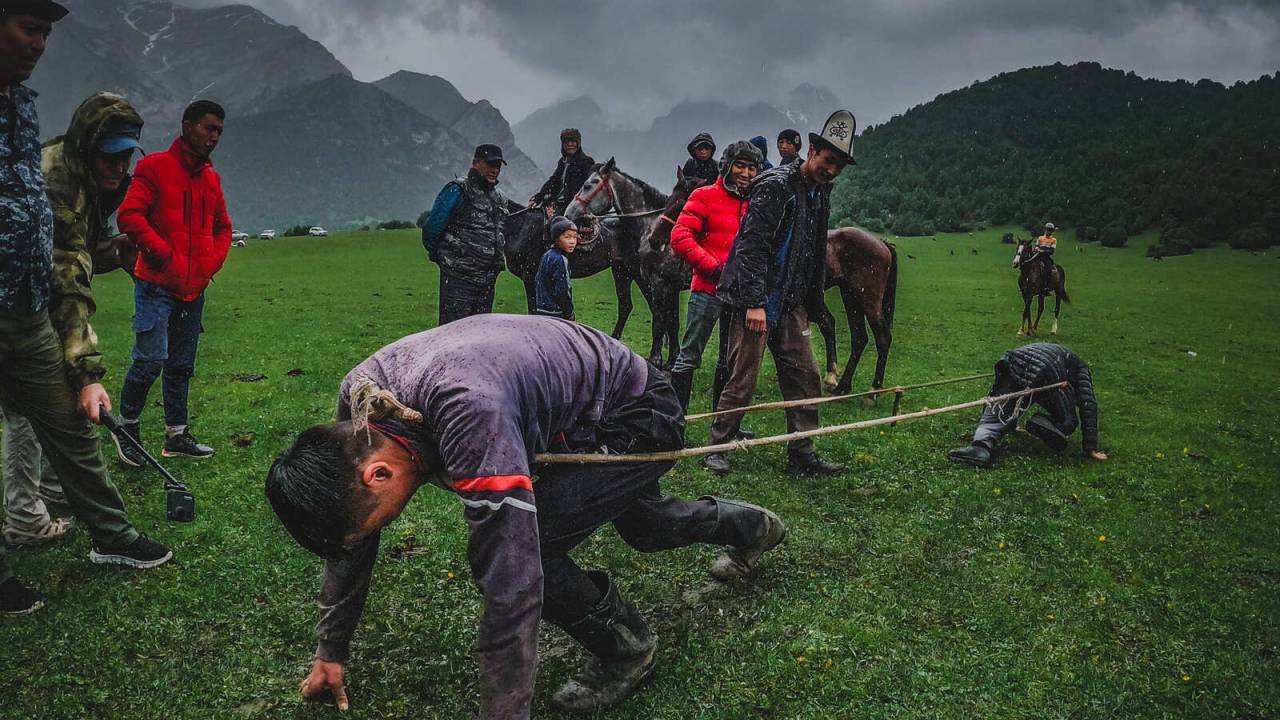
column 858, row 322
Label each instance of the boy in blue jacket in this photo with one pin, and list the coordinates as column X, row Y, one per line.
column 552, row 283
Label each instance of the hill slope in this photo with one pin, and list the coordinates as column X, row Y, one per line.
column 1076, row 145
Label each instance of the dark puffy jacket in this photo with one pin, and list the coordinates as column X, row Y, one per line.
column 472, row 244
column 175, row 213
column 778, row 259
column 571, row 172
column 707, row 169
column 1041, row 364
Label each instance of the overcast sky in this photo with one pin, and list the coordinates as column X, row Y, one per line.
column 880, row 57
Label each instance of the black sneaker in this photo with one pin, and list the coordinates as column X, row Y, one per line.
column 812, row 465
column 185, row 445
column 129, row 455
column 17, row 599
column 143, row 554
column 717, row 463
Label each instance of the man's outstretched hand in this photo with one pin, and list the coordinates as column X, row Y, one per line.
column 326, row 677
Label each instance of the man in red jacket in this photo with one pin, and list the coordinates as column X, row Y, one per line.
column 702, row 237
column 176, row 215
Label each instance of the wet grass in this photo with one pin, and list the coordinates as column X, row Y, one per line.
column 1148, row 586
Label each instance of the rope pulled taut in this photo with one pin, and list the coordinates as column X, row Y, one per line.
column 602, row 458
column 783, row 404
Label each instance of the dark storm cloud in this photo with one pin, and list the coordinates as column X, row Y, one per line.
column 637, row 58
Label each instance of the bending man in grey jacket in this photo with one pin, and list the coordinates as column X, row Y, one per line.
column 483, row 396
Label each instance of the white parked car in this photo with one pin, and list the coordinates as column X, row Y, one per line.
column 239, row 239
column 267, row 235
column 318, row 232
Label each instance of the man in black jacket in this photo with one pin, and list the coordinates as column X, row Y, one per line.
column 1031, row 366
column 573, row 169
column 772, row 281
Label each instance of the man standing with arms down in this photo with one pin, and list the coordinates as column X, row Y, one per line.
column 464, row 236
column 773, row 278
column 484, row 395
column 33, row 374
column 175, row 213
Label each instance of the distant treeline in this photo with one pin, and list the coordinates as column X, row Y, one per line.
column 1104, row 152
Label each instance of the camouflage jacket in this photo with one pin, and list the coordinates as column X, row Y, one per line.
column 80, row 213
column 26, row 224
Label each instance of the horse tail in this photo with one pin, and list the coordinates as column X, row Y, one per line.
column 890, row 298
column 1062, row 285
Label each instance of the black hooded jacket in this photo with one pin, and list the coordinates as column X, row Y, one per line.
column 707, row 169
column 571, row 172
column 1041, row 364
column 778, row 260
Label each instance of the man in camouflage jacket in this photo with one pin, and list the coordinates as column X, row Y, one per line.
column 86, row 175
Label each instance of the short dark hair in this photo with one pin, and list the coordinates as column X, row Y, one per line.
column 200, row 108
column 314, row 486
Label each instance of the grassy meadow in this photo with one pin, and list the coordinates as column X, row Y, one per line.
column 1049, row 587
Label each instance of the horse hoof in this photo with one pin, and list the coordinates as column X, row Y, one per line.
column 840, row 390
column 1020, row 333
column 830, row 382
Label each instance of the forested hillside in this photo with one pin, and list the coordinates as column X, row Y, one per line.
column 1102, row 151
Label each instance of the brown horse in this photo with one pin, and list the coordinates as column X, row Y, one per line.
column 1030, row 282
column 865, row 268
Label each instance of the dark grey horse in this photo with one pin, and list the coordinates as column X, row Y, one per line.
column 616, row 211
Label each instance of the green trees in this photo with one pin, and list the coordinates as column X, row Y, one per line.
column 1083, row 147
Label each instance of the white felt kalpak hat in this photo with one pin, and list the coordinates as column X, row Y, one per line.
column 837, row 134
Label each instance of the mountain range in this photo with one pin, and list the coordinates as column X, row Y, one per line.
column 305, row 143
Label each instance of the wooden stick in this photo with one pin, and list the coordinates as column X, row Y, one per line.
column 783, row 404
column 598, row 458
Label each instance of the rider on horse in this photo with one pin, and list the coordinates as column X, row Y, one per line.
column 1045, row 245
column 573, row 169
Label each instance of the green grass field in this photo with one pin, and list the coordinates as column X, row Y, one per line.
column 1148, row 586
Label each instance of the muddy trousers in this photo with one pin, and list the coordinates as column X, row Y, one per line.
column 790, row 344
column 33, row 381
column 998, row 419
column 575, row 501
column 460, row 298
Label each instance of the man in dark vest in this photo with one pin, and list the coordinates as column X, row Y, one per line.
column 573, row 169
column 464, row 236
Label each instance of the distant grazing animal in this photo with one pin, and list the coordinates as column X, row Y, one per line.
column 1029, row 282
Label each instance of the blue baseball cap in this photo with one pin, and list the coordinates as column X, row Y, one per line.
column 489, row 153
column 120, row 139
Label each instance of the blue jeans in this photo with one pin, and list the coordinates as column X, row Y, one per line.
column 166, row 334
column 704, row 315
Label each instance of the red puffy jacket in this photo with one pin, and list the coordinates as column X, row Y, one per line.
column 175, row 213
column 704, row 233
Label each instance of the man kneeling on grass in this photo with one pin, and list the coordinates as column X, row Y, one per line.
column 1032, row 366
column 475, row 400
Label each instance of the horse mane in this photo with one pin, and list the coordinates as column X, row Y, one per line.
column 653, row 197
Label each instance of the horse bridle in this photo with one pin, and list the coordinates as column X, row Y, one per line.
column 604, row 184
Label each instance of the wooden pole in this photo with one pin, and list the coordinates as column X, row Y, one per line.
column 600, row 458
column 783, row 404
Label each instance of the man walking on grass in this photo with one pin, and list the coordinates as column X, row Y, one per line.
column 772, row 281
column 34, row 377
column 479, row 398
column 176, row 214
